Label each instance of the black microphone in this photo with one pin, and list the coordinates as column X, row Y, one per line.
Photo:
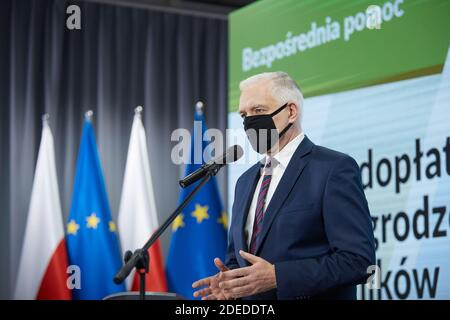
column 232, row 154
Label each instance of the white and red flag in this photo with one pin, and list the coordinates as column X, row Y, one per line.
column 138, row 218
column 43, row 264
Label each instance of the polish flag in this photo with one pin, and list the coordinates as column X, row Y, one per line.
column 43, row 264
column 137, row 212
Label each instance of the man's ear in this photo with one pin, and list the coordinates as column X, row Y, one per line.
column 293, row 112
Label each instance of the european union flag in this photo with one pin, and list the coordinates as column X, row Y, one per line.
column 199, row 233
column 92, row 241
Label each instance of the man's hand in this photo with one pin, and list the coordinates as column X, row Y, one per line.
column 247, row 281
column 212, row 290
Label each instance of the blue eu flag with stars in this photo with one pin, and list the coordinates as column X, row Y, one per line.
column 199, row 233
column 92, row 242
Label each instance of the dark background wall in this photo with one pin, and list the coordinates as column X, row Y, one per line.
column 122, row 57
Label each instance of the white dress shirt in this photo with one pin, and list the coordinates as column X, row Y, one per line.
column 279, row 163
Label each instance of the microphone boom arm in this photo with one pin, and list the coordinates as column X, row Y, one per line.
column 137, row 256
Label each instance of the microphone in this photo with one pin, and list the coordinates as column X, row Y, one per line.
column 232, row 154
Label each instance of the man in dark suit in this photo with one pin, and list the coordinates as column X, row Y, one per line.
column 301, row 226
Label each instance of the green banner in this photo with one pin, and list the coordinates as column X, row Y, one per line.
column 332, row 46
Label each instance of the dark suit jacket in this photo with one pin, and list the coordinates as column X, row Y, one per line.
column 316, row 229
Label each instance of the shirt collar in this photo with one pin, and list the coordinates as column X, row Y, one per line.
column 283, row 157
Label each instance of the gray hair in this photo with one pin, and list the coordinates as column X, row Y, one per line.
column 284, row 88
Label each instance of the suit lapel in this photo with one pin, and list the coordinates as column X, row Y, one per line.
column 291, row 174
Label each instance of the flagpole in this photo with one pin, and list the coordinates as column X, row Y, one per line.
column 199, row 107
column 138, row 110
column 45, row 118
column 88, row 115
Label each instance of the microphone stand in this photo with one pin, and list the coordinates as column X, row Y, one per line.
column 140, row 258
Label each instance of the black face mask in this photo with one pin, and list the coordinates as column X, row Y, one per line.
column 262, row 132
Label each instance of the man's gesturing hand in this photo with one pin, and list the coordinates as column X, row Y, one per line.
column 212, row 291
column 247, row 281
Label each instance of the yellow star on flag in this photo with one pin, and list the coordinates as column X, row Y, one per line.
column 223, row 219
column 200, row 213
column 112, row 226
column 178, row 222
column 92, row 221
column 72, row 227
